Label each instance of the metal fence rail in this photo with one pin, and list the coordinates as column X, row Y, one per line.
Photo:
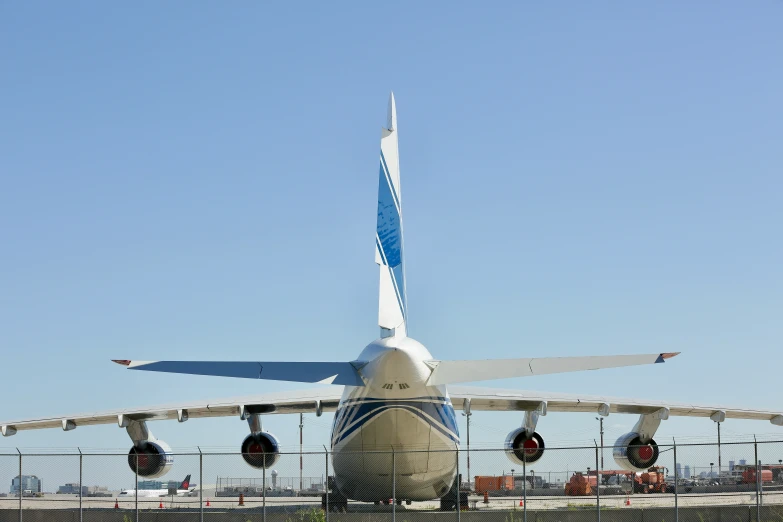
column 738, row 481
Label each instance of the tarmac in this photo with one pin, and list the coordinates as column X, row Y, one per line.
column 476, row 503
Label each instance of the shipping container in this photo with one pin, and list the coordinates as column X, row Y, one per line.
column 487, row 483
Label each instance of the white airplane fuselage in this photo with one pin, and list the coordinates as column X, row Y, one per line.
column 396, row 421
column 152, row 493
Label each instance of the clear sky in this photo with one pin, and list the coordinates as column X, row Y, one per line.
column 198, row 181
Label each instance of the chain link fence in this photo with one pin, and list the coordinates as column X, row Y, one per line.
column 689, row 482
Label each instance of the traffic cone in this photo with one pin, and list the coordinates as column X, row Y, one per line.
column 521, row 503
column 116, row 504
column 486, row 497
column 627, row 500
column 241, row 499
column 161, row 505
column 207, row 502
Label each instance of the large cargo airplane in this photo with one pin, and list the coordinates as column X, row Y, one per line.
column 395, row 395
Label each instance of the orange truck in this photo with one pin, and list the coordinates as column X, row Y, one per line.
column 651, row 481
column 581, row 485
column 749, row 476
column 485, row 484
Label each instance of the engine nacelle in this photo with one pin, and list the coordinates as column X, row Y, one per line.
column 520, row 447
column 153, row 458
column 632, row 454
column 261, row 450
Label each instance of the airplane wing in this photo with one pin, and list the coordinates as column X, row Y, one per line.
column 314, row 372
column 301, row 401
column 491, row 399
column 447, row 372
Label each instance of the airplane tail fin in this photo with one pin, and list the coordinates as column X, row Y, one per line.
column 185, row 483
column 392, row 305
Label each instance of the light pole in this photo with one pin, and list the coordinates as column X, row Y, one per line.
column 601, row 420
column 301, row 461
column 711, row 464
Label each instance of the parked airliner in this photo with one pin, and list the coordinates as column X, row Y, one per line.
column 395, row 396
column 184, row 489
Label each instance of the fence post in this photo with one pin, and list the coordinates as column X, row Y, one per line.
column 20, row 484
column 263, row 500
column 136, row 491
column 201, row 485
column 326, row 483
column 758, row 489
column 597, row 485
column 81, row 474
column 394, row 485
column 524, row 484
column 676, row 481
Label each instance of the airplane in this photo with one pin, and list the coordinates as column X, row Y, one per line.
column 184, row 489
column 395, row 396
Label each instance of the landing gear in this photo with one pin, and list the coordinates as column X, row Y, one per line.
column 337, row 503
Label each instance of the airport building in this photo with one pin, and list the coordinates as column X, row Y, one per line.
column 72, row 488
column 158, row 484
column 29, row 483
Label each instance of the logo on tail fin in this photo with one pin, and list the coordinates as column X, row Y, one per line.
column 185, row 483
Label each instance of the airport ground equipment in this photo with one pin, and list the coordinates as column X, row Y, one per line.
column 651, row 481
column 580, row 485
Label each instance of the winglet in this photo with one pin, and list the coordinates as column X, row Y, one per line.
column 391, row 114
column 664, row 356
column 122, row 362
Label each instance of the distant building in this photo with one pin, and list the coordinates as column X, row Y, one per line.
column 743, row 462
column 731, row 465
column 29, row 483
column 687, row 472
column 96, row 491
column 150, row 484
column 678, row 469
column 72, row 488
column 158, row 484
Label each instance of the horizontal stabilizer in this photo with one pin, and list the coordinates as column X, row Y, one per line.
column 317, row 372
column 447, row 372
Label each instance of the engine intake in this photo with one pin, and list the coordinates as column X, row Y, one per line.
column 261, row 450
column 153, row 459
column 521, row 448
column 632, row 454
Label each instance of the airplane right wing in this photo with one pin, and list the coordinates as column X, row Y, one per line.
column 303, row 401
column 493, row 399
column 447, row 372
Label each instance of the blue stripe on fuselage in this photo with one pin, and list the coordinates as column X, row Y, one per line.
column 353, row 413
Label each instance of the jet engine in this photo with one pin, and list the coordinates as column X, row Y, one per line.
column 152, row 458
column 632, row 454
column 261, row 450
column 521, row 447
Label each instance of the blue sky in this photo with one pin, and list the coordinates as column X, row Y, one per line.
column 198, row 181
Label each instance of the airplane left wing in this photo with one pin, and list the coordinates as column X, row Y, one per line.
column 491, row 399
column 315, row 372
column 303, row 401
